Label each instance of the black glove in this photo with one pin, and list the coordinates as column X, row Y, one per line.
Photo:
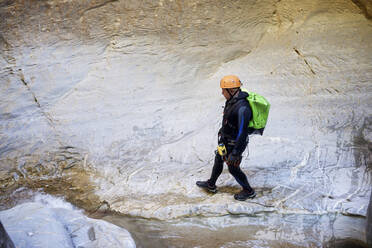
column 234, row 160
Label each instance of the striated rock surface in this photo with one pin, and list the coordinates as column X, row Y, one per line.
column 125, row 95
column 50, row 222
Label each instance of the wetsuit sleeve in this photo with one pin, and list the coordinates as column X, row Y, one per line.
column 244, row 116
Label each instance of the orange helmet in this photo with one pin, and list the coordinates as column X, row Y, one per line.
column 229, row 82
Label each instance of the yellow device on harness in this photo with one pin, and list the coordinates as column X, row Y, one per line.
column 221, row 149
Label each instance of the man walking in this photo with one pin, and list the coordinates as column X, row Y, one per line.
column 232, row 138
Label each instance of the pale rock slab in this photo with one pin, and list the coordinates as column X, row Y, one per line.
column 46, row 224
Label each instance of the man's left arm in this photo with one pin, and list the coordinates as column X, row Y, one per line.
column 241, row 141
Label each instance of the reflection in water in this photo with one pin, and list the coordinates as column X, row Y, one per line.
column 268, row 230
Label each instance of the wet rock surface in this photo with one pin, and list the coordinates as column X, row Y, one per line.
column 63, row 172
column 116, row 105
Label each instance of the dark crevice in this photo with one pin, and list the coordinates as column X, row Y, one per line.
column 297, row 52
column 99, row 6
column 37, row 102
column 311, row 69
column 361, row 5
column 307, row 63
column 29, row 89
column 24, row 82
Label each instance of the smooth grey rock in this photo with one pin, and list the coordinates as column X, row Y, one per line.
column 52, row 223
column 349, row 228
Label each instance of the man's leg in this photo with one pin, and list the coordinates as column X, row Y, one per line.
column 217, row 169
column 241, row 178
column 216, row 172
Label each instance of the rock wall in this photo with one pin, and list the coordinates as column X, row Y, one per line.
column 133, row 86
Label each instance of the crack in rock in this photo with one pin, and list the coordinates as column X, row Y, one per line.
column 303, row 57
column 99, row 6
column 362, row 5
column 49, row 119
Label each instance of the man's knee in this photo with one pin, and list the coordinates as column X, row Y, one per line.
column 234, row 169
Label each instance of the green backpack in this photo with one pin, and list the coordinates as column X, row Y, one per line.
column 260, row 110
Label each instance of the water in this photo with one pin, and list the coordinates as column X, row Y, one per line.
column 267, row 230
column 193, row 232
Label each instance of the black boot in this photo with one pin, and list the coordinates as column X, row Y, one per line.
column 244, row 195
column 206, row 185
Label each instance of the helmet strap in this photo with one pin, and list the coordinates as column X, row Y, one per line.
column 232, row 95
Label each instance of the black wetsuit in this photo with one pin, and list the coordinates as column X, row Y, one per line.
column 234, row 134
